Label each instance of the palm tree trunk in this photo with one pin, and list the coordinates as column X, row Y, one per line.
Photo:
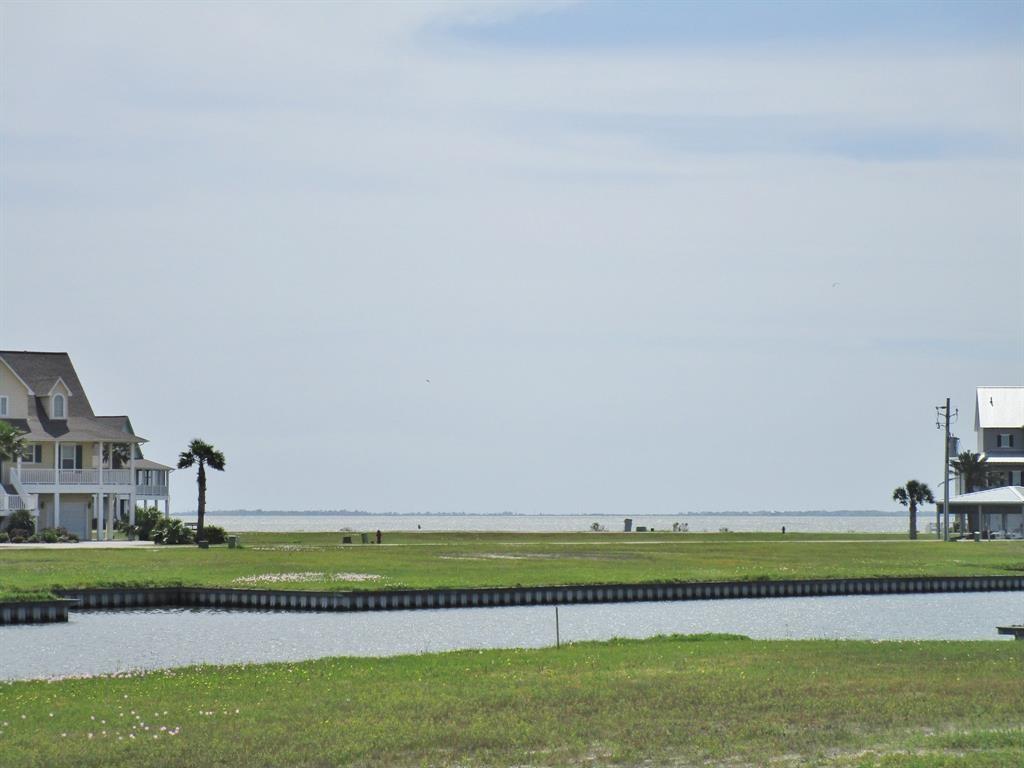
column 202, row 500
column 913, row 520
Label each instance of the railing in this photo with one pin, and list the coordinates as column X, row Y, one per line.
column 79, row 476
column 71, row 476
column 10, row 503
column 117, row 477
column 151, row 491
column 35, row 476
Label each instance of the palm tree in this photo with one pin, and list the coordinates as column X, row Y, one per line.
column 116, row 453
column 12, row 443
column 204, row 455
column 912, row 494
column 972, row 469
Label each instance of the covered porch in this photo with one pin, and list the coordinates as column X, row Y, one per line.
column 992, row 513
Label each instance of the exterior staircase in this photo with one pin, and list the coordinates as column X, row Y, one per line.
column 13, row 498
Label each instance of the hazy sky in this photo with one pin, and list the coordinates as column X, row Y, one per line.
column 651, row 258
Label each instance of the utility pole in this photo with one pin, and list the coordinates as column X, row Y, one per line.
column 942, row 414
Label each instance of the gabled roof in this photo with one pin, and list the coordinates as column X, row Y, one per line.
column 1008, row 494
column 40, row 371
column 999, row 407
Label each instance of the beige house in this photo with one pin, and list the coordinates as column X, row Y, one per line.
column 79, row 471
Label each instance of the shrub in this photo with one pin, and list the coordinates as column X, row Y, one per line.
column 17, row 539
column 170, row 530
column 33, row 539
column 214, row 534
column 21, row 520
column 49, row 536
column 4, row 537
column 18, row 533
column 146, row 520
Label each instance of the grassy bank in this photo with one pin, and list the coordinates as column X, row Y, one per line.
column 679, row 701
column 320, row 562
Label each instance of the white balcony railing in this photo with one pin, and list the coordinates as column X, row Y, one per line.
column 151, row 491
column 79, row 476
column 34, row 477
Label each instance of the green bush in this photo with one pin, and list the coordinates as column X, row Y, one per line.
column 145, row 521
column 170, row 530
column 49, row 536
column 214, row 534
column 21, row 520
column 4, row 537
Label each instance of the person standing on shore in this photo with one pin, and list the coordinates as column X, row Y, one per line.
column 378, row 536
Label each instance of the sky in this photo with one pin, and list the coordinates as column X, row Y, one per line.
column 565, row 258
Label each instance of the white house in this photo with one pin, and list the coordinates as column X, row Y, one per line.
column 999, row 423
column 79, row 470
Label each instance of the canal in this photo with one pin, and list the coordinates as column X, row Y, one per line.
column 113, row 641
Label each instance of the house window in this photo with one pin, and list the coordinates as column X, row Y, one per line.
column 1017, row 477
column 1004, row 440
column 58, row 406
column 69, row 456
column 33, row 454
column 3, row 406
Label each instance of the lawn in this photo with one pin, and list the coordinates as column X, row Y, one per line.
column 666, row 701
column 318, row 561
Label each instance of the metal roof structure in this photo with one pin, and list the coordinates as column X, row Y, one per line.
column 1008, row 494
column 999, row 407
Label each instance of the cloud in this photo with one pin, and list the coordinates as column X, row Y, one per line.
column 287, row 216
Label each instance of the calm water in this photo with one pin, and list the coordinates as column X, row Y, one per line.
column 97, row 642
column 558, row 523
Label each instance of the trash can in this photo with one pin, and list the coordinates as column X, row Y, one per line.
column 346, row 539
column 204, row 544
column 365, row 538
column 232, row 542
column 627, row 525
column 977, row 535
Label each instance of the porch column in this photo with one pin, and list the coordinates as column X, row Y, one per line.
column 56, row 509
column 110, row 515
column 56, row 463
column 97, row 503
column 100, row 533
column 131, row 493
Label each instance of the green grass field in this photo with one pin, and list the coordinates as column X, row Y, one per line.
column 714, row 701
column 318, row 561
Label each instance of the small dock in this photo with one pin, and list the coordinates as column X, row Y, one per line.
column 1017, row 630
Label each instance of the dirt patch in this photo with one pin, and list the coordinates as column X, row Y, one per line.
column 304, row 576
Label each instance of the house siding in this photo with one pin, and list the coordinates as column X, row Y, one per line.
column 15, row 392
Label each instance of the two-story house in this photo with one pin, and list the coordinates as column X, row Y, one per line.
column 79, row 471
column 998, row 508
column 999, row 422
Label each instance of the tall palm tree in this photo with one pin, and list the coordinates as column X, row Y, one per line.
column 205, row 455
column 911, row 495
column 972, row 469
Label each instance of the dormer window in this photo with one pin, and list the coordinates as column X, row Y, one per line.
column 1004, row 440
column 58, row 407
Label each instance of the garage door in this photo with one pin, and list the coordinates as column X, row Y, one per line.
column 75, row 517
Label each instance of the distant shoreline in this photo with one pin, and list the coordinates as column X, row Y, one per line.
column 347, row 513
